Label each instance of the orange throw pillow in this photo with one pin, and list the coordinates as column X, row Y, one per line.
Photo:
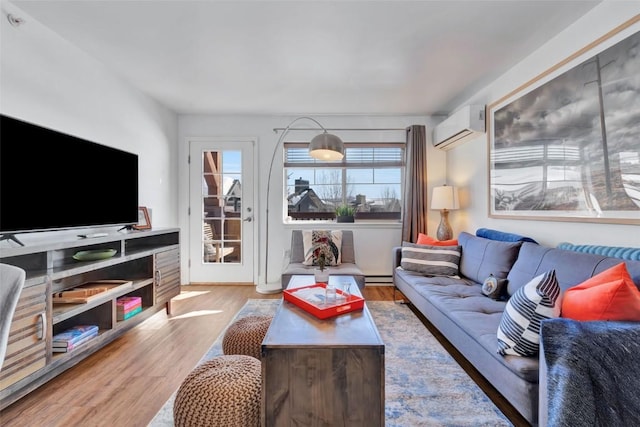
column 423, row 239
column 610, row 295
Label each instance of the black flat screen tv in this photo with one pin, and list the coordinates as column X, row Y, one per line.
column 52, row 181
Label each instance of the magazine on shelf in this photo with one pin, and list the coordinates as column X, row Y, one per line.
column 75, row 334
column 62, row 348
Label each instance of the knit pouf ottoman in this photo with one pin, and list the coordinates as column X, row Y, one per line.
column 245, row 336
column 224, row 391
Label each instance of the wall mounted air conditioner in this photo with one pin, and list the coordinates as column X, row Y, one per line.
column 461, row 126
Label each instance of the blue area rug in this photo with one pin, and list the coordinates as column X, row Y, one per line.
column 424, row 385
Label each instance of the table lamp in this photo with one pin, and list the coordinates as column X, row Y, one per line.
column 444, row 198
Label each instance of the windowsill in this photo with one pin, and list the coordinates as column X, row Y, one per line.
column 361, row 223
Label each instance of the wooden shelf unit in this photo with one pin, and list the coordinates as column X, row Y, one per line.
column 149, row 259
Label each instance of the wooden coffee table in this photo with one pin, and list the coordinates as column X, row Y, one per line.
column 322, row 372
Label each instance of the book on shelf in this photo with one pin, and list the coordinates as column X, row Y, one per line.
column 65, row 348
column 124, row 304
column 129, row 310
column 130, row 313
column 74, row 334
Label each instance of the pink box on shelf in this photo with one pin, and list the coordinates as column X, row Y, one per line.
column 124, row 304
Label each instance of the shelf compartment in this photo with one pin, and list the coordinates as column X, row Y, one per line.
column 151, row 243
column 64, row 311
column 63, row 259
column 146, row 294
column 98, row 314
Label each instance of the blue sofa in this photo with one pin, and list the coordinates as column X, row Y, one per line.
column 470, row 320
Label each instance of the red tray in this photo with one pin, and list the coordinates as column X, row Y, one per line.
column 321, row 310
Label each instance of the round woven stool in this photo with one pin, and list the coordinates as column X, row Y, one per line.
column 224, row 391
column 245, row 336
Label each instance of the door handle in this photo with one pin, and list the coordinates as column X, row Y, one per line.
column 248, row 219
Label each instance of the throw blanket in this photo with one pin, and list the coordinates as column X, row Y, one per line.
column 593, row 372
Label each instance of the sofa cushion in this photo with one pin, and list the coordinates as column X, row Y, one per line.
column 519, row 330
column 482, row 257
column 572, row 268
column 423, row 239
column 322, row 242
column 431, row 260
column 475, row 315
column 610, row 295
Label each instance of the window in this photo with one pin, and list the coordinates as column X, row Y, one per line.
column 369, row 178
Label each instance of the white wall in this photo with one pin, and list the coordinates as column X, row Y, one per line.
column 50, row 82
column 467, row 165
column 373, row 242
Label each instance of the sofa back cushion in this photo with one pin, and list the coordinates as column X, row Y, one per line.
column 482, row 257
column 572, row 268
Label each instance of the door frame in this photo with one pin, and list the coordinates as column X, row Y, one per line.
column 253, row 140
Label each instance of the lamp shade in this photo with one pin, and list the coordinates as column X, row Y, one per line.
column 445, row 197
column 326, row 147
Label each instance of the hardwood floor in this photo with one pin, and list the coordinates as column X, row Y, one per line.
column 128, row 381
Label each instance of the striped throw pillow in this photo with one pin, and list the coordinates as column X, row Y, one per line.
column 431, row 260
column 519, row 330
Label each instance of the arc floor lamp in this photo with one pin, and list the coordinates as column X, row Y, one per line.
column 326, row 147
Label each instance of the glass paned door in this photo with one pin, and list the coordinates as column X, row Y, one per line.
column 221, row 220
column 221, row 206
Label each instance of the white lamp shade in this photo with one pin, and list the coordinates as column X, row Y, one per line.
column 445, row 197
column 326, row 147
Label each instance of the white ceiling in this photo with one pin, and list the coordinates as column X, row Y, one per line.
column 308, row 57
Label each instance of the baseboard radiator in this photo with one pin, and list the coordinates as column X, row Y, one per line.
column 387, row 280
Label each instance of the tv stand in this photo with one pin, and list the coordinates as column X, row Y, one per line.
column 10, row 237
column 146, row 266
column 127, row 227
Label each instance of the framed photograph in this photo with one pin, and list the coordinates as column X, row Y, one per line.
column 144, row 223
column 565, row 146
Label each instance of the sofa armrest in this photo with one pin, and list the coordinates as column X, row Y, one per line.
column 396, row 256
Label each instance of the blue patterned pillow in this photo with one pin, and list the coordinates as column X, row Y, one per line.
column 431, row 260
column 519, row 330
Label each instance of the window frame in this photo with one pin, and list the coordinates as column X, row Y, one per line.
column 343, row 165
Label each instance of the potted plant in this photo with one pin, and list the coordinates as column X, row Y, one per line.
column 345, row 213
column 321, row 258
column 321, row 276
